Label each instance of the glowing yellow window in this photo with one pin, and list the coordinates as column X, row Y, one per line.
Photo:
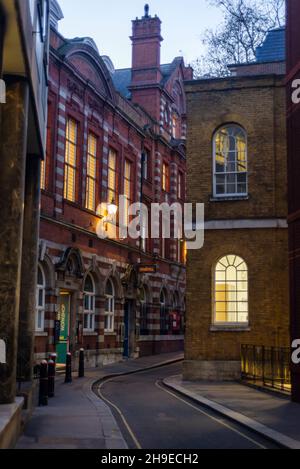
column 112, row 177
column 91, row 173
column 127, row 187
column 231, row 291
column 70, row 161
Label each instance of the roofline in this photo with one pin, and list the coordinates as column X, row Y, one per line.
column 249, row 64
column 234, row 78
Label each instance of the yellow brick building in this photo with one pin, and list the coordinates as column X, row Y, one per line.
column 238, row 282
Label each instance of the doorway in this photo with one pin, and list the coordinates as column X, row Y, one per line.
column 130, row 328
column 63, row 345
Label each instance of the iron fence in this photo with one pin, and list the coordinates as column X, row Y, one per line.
column 267, row 366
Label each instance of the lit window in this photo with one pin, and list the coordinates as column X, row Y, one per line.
column 43, row 174
column 230, row 162
column 109, row 307
column 89, row 305
column 91, row 173
column 231, row 291
column 127, row 189
column 165, row 178
column 112, row 177
column 40, row 301
column 70, row 161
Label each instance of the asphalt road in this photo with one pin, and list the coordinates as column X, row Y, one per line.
column 152, row 417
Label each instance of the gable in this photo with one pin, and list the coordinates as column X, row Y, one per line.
column 90, row 73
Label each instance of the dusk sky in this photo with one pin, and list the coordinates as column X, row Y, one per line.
column 109, row 24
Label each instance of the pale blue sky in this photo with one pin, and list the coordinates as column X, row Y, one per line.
column 109, row 24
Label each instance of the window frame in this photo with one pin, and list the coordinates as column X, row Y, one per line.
column 229, row 324
column 91, row 312
column 67, row 166
column 114, row 171
column 40, row 309
column 232, row 195
column 91, row 179
column 110, row 314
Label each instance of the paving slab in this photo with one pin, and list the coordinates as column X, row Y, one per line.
column 276, row 418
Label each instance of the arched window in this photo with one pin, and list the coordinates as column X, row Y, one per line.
column 40, row 301
column 231, row 291
column 164, row 323
column 230, row 162
column 89, row 304
column 109, row 307
column 144, row 309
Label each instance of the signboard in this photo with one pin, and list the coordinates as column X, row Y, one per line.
column 147, row 268
column 62, row 347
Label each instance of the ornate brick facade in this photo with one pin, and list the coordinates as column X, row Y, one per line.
column 130, row 112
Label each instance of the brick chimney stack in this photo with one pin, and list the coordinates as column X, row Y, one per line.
column 146, row 45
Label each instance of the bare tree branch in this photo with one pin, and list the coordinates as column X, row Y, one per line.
column 242, row 31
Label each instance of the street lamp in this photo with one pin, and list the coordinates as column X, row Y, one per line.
column 112, row 209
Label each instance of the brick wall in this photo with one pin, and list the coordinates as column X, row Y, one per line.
column 258, row 105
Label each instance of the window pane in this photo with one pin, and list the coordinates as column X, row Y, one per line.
column 231, row 290
column 230, row 157
column 41, row 298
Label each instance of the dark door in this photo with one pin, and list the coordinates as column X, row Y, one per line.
column 129, row 335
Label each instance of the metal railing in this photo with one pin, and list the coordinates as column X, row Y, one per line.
column 267, row 366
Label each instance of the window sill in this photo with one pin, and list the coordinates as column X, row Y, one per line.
column 90, row 334
column 230, row 198
column 230, row 328
column 41, row 334
column 107, row 334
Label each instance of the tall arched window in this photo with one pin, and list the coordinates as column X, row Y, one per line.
column 89, row 304
column 230, row 162
column 109, row 307
column 40, row 301
column 231, row 291
column 164, row 322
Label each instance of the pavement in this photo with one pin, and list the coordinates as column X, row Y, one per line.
column 274, row 417
column 76, row 418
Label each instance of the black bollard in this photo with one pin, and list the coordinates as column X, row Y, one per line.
column 43, row 392
column 51, row 378
column 68, row 378
column 81, row 364
column 53, row 357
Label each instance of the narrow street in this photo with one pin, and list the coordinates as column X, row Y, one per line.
column 152, row 417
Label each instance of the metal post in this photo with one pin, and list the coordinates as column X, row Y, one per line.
column 68, row 378
column 81, row 364
column 263, row 365
column 43, row 393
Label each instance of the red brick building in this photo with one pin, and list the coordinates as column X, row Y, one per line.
column 110, row 132
column 293, row 133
